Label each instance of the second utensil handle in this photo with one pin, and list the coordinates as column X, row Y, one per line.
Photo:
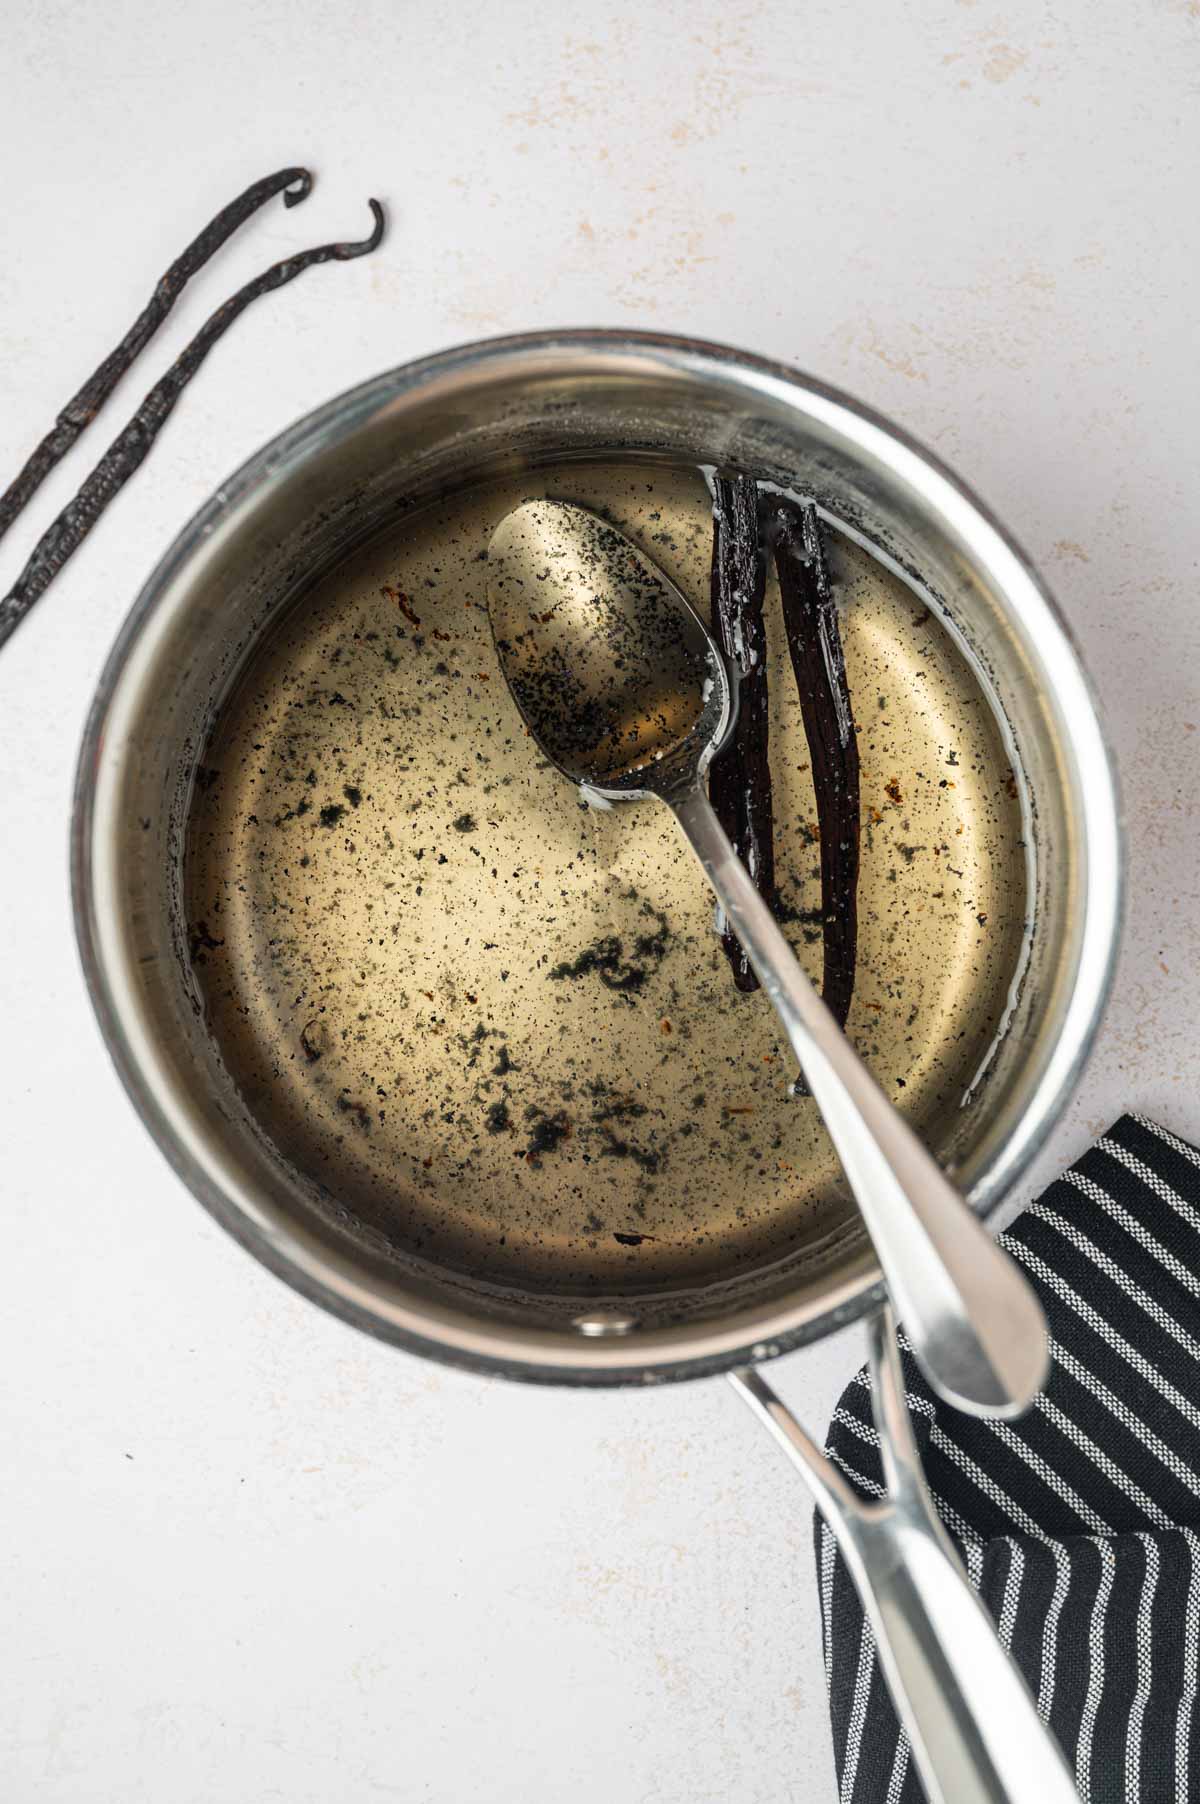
column 975, row 1733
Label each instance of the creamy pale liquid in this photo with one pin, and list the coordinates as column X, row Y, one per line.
column 497, row 1025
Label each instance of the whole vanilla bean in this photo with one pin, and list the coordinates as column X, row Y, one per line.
column 132, row 445
column 740, row 778
column 83, row 407
column 815, row 646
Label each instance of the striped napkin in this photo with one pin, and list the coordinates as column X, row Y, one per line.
column 1078, row 1524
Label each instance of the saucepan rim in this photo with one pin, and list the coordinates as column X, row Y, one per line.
column 309, row 1264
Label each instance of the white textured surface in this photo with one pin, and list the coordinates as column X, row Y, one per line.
column 246, row 1554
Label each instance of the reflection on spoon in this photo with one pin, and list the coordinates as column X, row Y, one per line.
column 609, row 676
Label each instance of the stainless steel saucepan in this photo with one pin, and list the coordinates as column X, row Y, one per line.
column 303, row 508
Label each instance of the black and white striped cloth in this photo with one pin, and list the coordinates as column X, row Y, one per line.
column 1079, row 1523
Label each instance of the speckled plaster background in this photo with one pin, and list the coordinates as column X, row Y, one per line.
column 245, row 1554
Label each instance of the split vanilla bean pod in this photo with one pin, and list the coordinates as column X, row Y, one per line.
column 83, row 407
column 131, row 446
column 815, row 646
column 740, row 777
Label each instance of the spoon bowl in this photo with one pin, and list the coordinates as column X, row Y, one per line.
column 612, row 669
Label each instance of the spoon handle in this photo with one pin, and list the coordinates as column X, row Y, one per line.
column 976, row 1327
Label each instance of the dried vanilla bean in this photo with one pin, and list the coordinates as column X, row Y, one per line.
column 83, row 407
column 815, row 646
column 132, row 445
column 740, row 777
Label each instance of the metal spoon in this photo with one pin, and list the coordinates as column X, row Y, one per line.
column 624, row 690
